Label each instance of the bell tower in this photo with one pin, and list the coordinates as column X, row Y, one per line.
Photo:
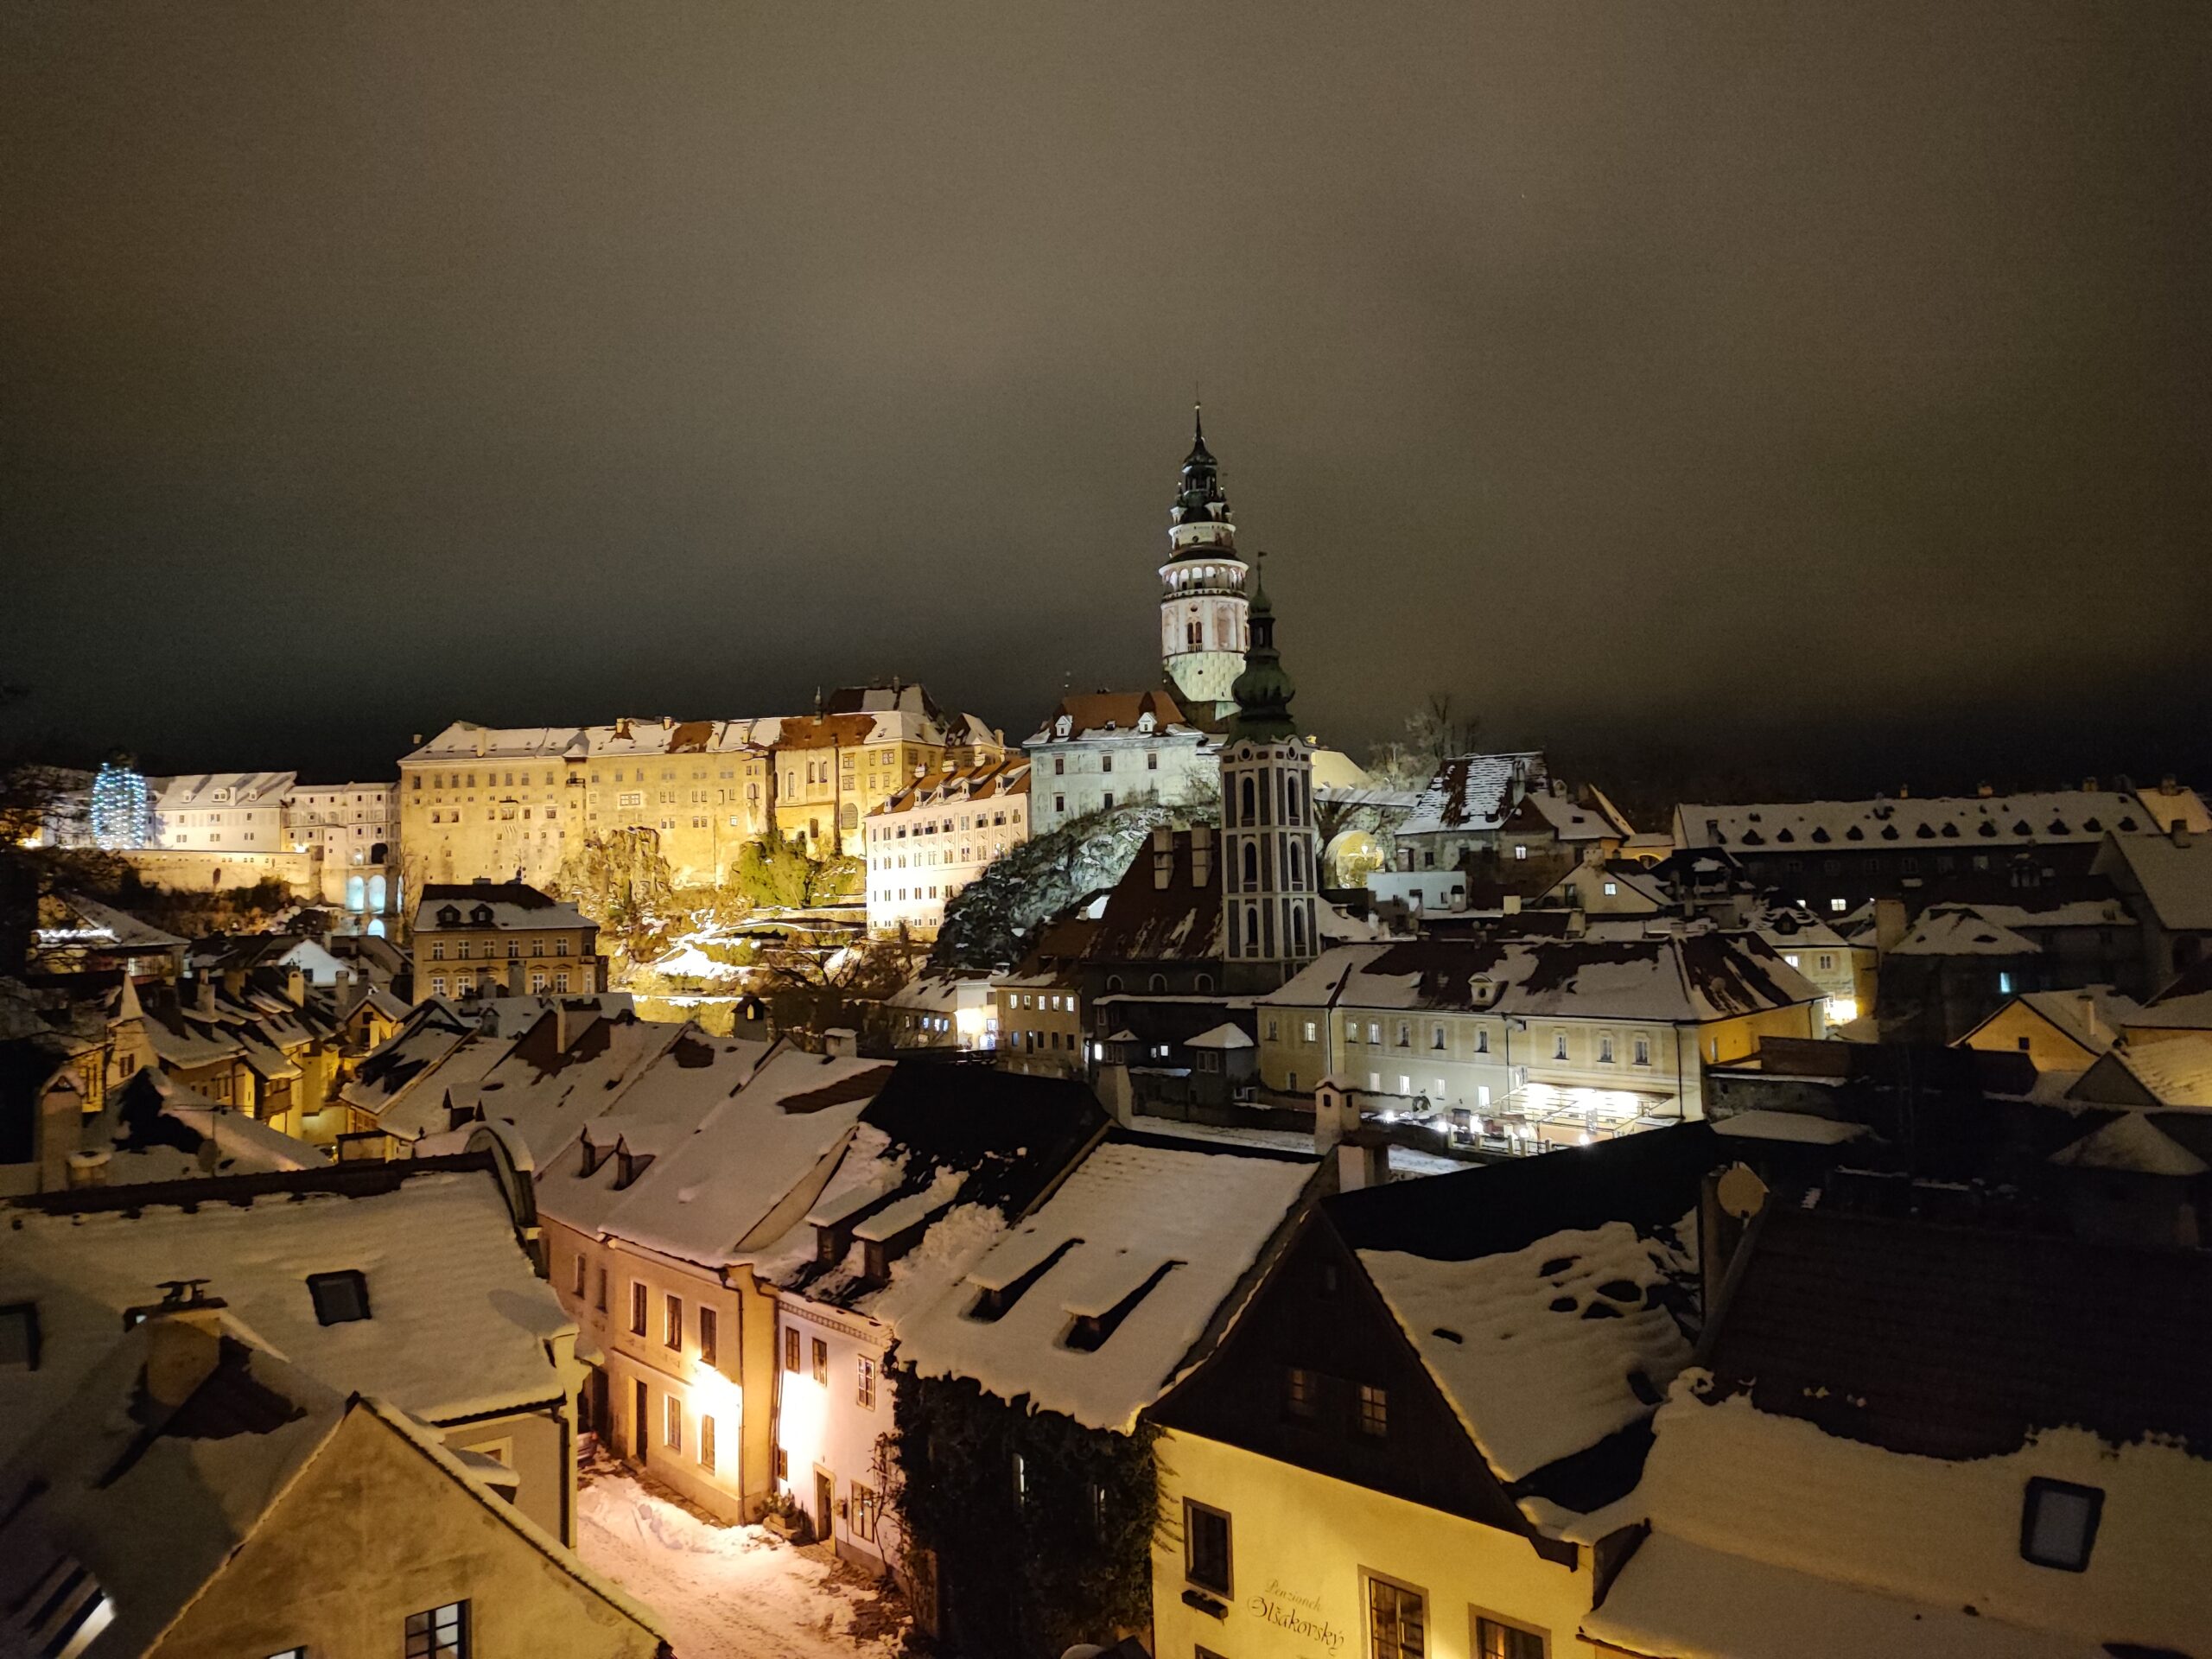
column 1204, row 619
column 1269, row 879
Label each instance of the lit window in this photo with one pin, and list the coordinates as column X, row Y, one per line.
column 1495, row 1639
column 637, row 1307
column 791, row 1350
column 1301, row 1392
column 1611, row 887
column 1397, row 1621
column 440, row 1633
column 1205, row 1547
column 1374, row 1410
column 2058, row 1523
column 707, row 1336
column 672, row 1323
column 672, row 1422
column 866, row 1391
column 820, row 1361
column 707, row 1444
column 340, row 1298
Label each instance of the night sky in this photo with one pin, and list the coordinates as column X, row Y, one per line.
column 1816, row 388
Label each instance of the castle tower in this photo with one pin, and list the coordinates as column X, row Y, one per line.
column 1204, row 622
column 1269, row 879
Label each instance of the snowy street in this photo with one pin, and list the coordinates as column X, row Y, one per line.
column 729, row 1593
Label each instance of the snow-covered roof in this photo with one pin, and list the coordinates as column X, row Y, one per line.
column 161, row 1131
column 548, row 1092
column 2170, row 1072
column 1681, row 1599
column 754, row 1164
column 1228, row 1034
column 957, row 1152
column 1963, row 931
column 1538, row 1350
column 103, row 926
column 951, row 785
column 459, row 1319
column 1569, row 817
column 492, row 904
column 1148, row 1238
column 237, row 789
column 1804, row 1128
column 2132, row 1141
column 1471, row 793
column 2037, row 819
column 654, row 1117
column 1676, row 978
column 2174, row 875
column 1090, row 715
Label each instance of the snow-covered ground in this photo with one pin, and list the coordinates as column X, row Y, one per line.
column 728, row 1592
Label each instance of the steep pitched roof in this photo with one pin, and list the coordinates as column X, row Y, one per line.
column 1095, row 714
column 1471, row 793
column 2174, row 874
column 1147, row 1238
column 2028, row 820
column 1961, row 1343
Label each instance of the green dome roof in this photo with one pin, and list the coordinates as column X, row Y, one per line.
column 1264, row 690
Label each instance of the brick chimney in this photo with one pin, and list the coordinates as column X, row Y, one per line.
column 841, row 1043
column 1201, row 855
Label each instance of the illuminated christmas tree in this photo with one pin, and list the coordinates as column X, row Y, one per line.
column 123, row 814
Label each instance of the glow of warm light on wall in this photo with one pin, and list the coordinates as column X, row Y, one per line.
column 968, row 1022
column 805, row 1421
column 1842, row 1010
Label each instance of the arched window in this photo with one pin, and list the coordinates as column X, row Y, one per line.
column 1251, row 864
column 1232, row 940
column 1113, row 983
column 1297, row 865
column 1246, row 797
column 1159, row 984
column 1205, row 983
column 1298, row 929
column 1251, row 929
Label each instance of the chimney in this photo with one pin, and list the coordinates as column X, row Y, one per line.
column 295, row 988
column 479, row 742
column 419, row 739
column 1727, row 1201
column 1116, row 1095
column 840, row 1043
column 1890, row 926
column 181, row 1349
column 1363, row 1160
column 622, row 728
column 89, row 1168
column 2087, row 1003
column 1201, row 855
column 1163, row 857
column 1334, row 1115
column 2089, row 786
column 2167, row 786
column 1984, row 791
column 203, row 992
column 561, row 1025
column 2181, row 834
column 1512, row 904
column 1903, row 792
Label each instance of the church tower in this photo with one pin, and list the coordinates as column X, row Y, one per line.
column 1269, row 873
column 1204, row 625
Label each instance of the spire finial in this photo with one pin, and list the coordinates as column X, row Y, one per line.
column 1198, row 415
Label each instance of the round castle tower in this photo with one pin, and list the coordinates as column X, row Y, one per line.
column 1204, row 623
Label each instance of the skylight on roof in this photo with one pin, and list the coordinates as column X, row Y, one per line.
column 340, row 1298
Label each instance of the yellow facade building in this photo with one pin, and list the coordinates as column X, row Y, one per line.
column 483, row 938
column 1534, row 1042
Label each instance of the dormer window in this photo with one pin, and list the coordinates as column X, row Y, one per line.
column 2058, row 1523
column 481, row 916
column 1062, row 726
column 830, row 1244
column 1144, row 723
column 448, row 916
column 340, row 1298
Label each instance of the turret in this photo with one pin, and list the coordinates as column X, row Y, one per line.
column 1202, row 608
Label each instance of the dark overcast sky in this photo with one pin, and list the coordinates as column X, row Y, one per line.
column 1817, row 383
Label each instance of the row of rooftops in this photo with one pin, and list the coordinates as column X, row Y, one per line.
column 952, row 784
column 2056, row 817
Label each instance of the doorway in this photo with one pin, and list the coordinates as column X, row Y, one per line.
column 825, row 1497
column 638, row 1423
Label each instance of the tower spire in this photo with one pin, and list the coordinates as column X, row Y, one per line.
column 1262, row 692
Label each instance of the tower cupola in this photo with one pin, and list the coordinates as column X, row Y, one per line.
column 1201, row 609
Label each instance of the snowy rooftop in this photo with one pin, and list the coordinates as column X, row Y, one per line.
column 2093, row 1016
column 2171, row 1071
column 1963, row 931
column 956, row 1151
column 220, row 789
column 2175, row 876
column 953, row 785
column 161, row 1131
column 459, row 1319
column 1149, row 1239
column 1680, row 979
column 2057, row 816
column 1471, row 793
column 754, row 1164
column 1094, row 715
column 492, row 903
column 547, row 1091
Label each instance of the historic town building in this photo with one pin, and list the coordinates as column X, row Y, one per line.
column 1203, row 615
column 503, row 939
column 1101, row 750
column 1269, row 877
column 934, row 837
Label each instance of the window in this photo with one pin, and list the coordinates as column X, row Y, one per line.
column 672, row 1323
column 442, row 1633
column 1397, row 1621
column 340, row 1298
column 672, row 1422
column 2058, row 1523
column 1559, row 1045
column 1020, row 1480
column 2004, row 984
column 1482, row 1039
column 791, row 1350
column 602, row 1298
column 1374, row 1410
column 820, row 1361
column 19, row 1337
column 867, row 1390
column 783, row 1464
column 1605, row 1048
column 707, row 1336
column 1301, row 1392
column 578, row 1285
column 1642, row 1051
column 1205, row 1547
column 637, row 1307
column 1436, row 1037
column 707, row 1444
column 864, row 1506
column 1495, row 1639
